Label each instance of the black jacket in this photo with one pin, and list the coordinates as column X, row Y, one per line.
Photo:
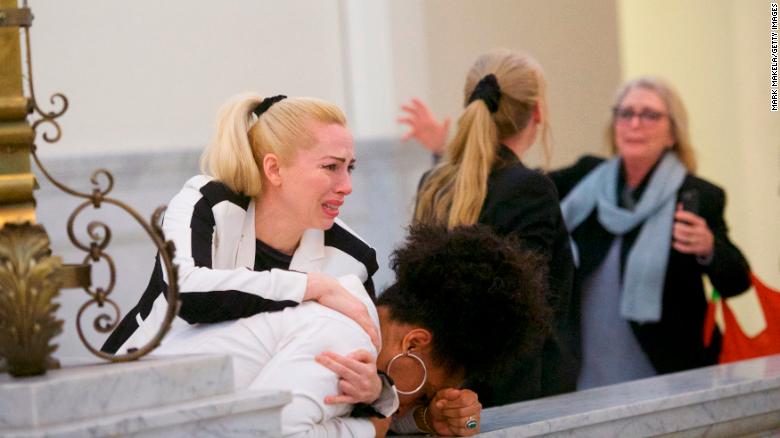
column 675, row 342
column 524, row 202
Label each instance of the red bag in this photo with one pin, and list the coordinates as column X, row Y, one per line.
column 736, row 345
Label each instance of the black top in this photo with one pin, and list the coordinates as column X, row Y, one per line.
column 675, row 342
column 524, row 202
column 267, row 258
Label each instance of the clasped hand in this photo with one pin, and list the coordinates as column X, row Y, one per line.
column 451, row 410
column 692, row 235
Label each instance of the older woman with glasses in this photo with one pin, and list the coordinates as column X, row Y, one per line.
column 645, row 229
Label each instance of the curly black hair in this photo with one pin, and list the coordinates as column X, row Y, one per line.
column 481, row 296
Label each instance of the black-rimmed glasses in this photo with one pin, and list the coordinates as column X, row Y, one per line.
column 646, row 116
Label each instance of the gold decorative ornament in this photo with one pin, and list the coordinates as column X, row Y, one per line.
column 29, row 282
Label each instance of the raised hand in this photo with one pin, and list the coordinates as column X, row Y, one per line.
column 424, row 127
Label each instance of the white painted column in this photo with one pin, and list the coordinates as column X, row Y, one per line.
column 368, row 71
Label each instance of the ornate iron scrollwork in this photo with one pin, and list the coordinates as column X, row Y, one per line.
column 99, row 233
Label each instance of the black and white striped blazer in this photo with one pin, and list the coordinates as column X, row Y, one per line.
column 213, row 230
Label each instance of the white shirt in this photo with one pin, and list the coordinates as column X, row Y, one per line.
column 276, row 350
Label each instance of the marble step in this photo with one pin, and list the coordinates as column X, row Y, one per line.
column 79, row 393
column 246, row 413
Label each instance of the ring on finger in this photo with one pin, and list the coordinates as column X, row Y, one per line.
column 471, row 423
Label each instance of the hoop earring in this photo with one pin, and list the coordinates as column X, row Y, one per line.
column 418, row 359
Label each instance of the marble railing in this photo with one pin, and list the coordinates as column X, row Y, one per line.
column 188, row 396
column 194, row 396
column 730, row 400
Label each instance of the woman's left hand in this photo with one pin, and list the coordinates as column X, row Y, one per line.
column 691, row 234
column 455, row 412
column 358, row 379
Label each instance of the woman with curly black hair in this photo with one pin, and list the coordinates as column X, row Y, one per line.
column 491, row 296
column 466, row 305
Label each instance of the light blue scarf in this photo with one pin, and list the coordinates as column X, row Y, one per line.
column 645, row 269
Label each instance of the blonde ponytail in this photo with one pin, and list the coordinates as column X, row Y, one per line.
column 229, row 157
column 455, row 191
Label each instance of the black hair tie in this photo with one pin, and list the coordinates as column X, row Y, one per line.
column 488, row 91
column 266, row 103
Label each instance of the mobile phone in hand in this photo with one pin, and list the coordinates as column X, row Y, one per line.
column 690, row 200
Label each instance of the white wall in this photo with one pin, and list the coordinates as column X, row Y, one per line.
column 368, row 67
column 575, row 42
column 151, row 75
column 147, row 74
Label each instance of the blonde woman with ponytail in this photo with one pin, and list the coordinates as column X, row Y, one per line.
column 258, row 232
column 480, row 179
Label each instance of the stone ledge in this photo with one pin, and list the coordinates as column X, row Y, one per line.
column 724, row 400
column 250, row 413
column 84, row 392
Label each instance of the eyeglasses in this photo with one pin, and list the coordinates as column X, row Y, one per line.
column 646, row 116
